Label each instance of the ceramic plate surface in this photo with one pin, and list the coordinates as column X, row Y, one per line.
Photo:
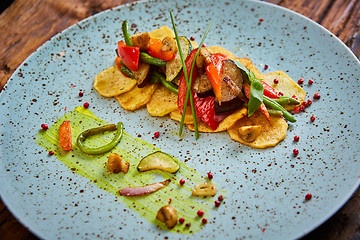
column 265, row 189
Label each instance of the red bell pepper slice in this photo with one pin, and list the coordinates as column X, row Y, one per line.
column 129, row 55
column 214, row 70
column 182, row 84
column 269, row 91
column 154, row 50
column 264, row 111
column 204, row 107
column 120, row 65
column 262, row 107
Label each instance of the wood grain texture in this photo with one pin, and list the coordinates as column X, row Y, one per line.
column 341, row 17
column 27, row 24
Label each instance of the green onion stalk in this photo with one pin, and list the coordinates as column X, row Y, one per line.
column 188, row 80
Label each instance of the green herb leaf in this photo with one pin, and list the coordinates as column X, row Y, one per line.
column 244, row 71
column 256, row 96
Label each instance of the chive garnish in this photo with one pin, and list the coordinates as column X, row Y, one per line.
column 187, row 79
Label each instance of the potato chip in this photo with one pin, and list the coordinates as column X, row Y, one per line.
column 194, row 44
column 271, row 132
column 286, row 86
column 136, row 97
column 112, row 82
column 249, row 65
column 175, row 115
column 162, row 102
column 218, row 49
column 255, row 131
column 162, row 32
column 225, row 124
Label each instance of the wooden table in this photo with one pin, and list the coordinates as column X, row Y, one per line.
column 27, row 24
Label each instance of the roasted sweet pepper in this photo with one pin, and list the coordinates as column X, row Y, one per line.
column 204, row 107
column 214, row 72
column 129, row 55
column 155, row 50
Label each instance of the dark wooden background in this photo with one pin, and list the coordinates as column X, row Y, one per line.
column 27, row 24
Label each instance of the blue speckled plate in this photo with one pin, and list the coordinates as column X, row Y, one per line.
column 265, row 188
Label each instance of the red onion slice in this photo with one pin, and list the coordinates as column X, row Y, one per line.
column 147, row 189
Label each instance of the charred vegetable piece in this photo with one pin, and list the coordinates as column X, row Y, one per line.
column 202, row 86
column 168, row 215
column 204, row 189
column 169, row 44
column 204, row 107
column 141, row 40
column 231, row 89
column 174, row 67
column 143, row 74
column 232, row 80
column 93, row 131
column 204, row 58
column 228, row 106
column 116, row 164
column 147, row 189
column 65, row 136
column 159, row 161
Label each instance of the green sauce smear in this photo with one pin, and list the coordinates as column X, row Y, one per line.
column 132, row 150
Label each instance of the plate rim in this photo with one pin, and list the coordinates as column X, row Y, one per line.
column 318, row 223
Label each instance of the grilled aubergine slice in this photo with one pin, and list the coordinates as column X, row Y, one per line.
column 231, row 89
column 202, row 85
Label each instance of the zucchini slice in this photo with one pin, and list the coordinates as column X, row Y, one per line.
column 158, row 161
column 174, row 66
